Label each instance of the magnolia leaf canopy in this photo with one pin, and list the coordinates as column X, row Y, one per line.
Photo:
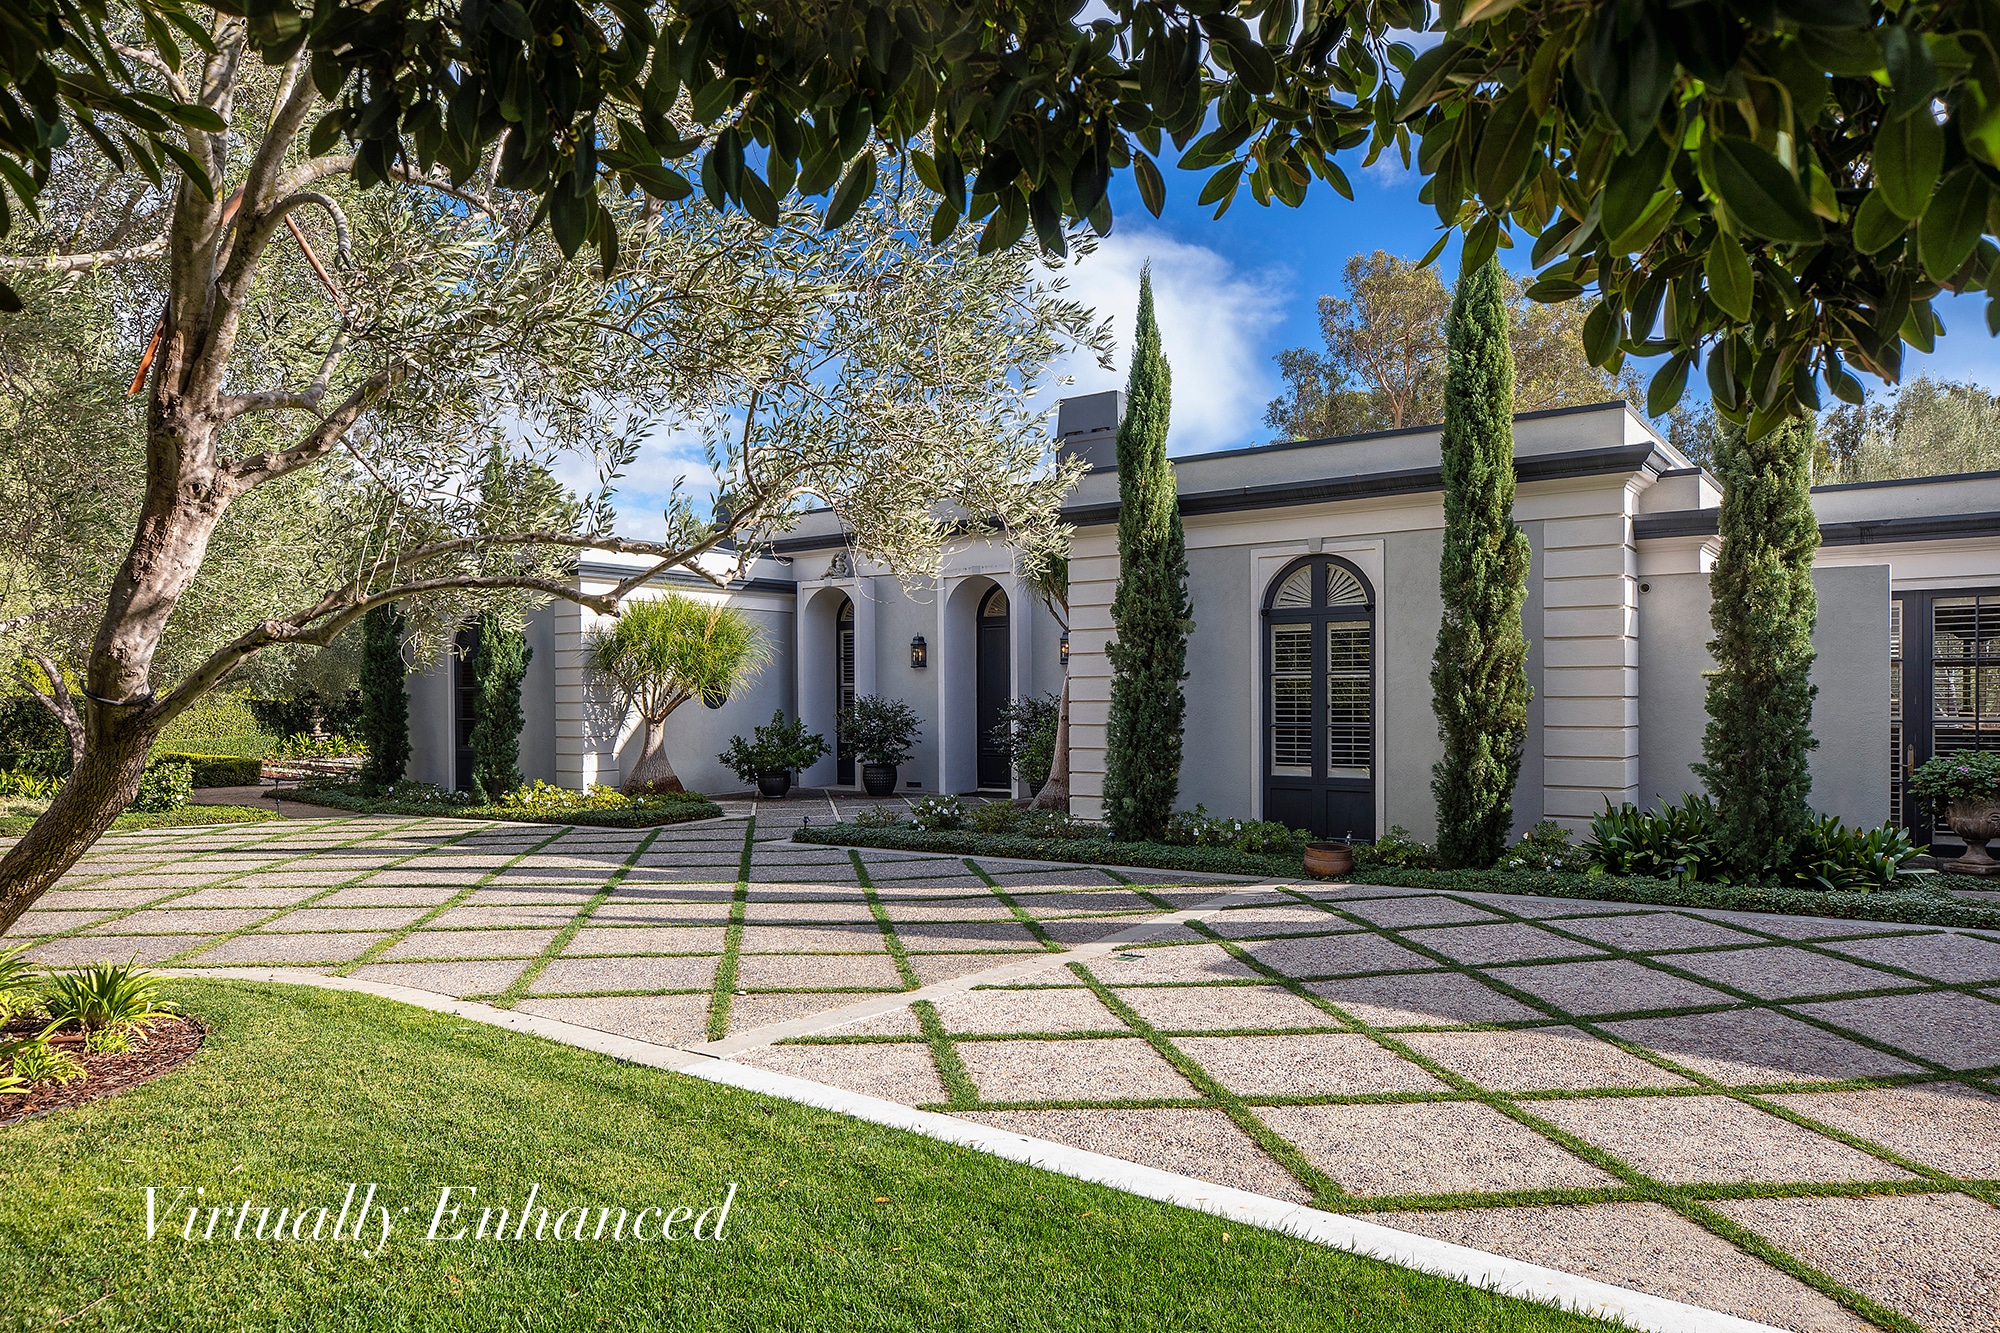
column 1769, row 191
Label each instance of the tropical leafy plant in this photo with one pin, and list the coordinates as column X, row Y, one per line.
column 661, row 652
column 1673, row 842
column 1833, row 856
column 782, row 745
column 881, row 730
column 543, row 798
column 117, row 996
column 17, row 993
column 35, row 1060
column 305, row 745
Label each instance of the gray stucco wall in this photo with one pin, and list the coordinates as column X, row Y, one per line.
column 538, row 700
column 1528, row 788
column 900, row 616
column 1410, row 611
column 1850, row 769
column 1215, row 760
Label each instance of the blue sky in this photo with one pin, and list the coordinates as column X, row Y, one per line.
column 1234, row 291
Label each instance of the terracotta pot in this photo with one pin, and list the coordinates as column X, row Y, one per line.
column 1975, row 819
column 878, row 780
column 1329, row 860
column 774, row 785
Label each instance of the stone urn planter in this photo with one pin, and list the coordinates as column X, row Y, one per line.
column 1975, row 819
column 1329, row 860
column 878, row 780
column 771, row 786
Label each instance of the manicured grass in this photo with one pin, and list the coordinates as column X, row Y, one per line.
column 836, row 1224
column 345, row 797
column 13, row 826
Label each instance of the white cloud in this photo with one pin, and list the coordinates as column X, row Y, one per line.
column 1212, row 317
column 667, row 455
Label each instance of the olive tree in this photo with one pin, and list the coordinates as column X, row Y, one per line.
column 360, row 364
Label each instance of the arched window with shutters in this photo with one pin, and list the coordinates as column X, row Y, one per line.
column 1319, row 698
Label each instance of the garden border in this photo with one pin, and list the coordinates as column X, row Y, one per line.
column 309, row 795
column 1915, row 907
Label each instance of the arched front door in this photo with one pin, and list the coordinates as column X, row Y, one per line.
column 1319, row 698
column 843, row 689
column 991, row 690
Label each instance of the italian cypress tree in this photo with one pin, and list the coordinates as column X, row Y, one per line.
column 1150, row 611
column 385, row 703
column 1479, row 674
column 1762, row 607
column 499, row 661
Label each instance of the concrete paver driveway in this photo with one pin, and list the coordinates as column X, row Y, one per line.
column 1790, row 1119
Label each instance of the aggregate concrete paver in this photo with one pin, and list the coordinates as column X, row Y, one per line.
column 662, row 956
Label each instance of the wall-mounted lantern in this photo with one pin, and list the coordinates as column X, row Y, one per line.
column 920, row 654
column 1062, row 650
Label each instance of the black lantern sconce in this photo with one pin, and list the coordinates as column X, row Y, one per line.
column 1062, row 650
column 920, row 654
column 715, row 698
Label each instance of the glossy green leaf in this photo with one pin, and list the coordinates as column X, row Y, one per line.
column 854, row 190
column 1730, row 283
column 1669, row 383
column 1909, row 150
column 1633, row 182
column 1876, row 224
column 1506, row 146
column 1152, row 190
column 1952, row 224
column 1762, row 195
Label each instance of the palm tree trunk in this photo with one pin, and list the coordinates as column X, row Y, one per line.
column 1055, row 792
column 653, row 772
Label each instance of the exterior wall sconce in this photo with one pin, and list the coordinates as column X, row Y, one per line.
column 1062, row 650
column 920, row 654
column 714, row 699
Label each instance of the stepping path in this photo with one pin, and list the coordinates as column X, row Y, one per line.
column 1790, row 1120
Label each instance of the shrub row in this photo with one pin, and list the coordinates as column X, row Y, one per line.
column 1929, row 905
column 1087, row 851
column 666, row 809
column 186, row 816
column 215, row 770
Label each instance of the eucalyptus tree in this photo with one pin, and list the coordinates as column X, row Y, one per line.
column 359, row 367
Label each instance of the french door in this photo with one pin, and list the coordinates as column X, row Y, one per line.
column 1319, row 699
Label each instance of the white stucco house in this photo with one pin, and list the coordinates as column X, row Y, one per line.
column 1314, row 577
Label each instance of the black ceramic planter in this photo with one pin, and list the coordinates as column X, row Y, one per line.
column 878, row 780
column 773, row 785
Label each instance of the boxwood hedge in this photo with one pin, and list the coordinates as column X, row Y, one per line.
column 215, row 770
column 1088, row 851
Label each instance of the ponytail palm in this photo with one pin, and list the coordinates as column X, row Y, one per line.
column 662, row 652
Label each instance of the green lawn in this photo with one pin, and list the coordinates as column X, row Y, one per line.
column 836, row 1224
column 13, row 825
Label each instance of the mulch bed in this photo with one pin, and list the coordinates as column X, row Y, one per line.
column 157, row 1048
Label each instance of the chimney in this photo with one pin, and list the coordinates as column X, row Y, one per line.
column 1087, row 428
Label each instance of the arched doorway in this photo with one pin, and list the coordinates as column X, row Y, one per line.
column 843, row 689
column 992, row 689
column 1319, row 698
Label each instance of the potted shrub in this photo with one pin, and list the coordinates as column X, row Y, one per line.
column 778, row 749
column 1026, row 734
column 1968, row 786
column 881, row 730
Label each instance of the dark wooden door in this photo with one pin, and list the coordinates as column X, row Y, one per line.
column 1319, row 699
column 843, row 690
column 465, row 706
column 992, row 690
column 1944, row 696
